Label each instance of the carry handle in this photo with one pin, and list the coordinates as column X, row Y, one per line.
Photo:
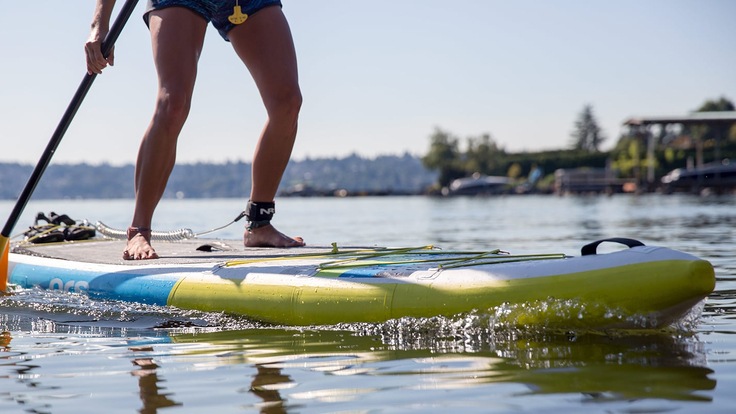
column 591, row 248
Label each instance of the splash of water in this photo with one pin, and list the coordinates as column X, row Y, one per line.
column 51, row 311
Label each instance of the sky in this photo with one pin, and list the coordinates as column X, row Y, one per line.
column 377, row 76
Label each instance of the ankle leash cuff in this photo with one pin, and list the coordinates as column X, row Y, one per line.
column 259, row 214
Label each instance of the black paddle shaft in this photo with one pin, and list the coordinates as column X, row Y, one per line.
column 71, row 110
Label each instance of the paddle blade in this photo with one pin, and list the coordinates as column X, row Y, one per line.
column 5, row 249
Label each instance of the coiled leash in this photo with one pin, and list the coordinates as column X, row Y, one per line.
column 258, row 214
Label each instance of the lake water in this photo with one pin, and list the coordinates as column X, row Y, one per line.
column 68, row 354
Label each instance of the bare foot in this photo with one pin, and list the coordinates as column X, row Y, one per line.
column 139, row 245
column 268, row 236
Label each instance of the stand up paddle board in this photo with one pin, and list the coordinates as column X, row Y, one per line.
column 637, row 287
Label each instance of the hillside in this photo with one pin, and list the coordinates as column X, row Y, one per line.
column 319, row 176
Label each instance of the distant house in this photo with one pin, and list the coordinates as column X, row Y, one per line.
column 717, row 120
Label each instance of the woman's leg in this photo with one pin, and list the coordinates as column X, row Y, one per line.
column 177, row 36
column 265, row 45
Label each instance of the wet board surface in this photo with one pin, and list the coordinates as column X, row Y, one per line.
column 176, row 252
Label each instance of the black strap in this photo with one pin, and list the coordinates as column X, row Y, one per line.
column 61, row 219
column 591, row 248
column 259, row 214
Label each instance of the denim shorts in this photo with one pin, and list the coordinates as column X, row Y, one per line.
column 215, row 11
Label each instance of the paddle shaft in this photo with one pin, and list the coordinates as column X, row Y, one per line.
column 71, row 110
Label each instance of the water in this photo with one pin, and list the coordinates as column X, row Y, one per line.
column 68, row 354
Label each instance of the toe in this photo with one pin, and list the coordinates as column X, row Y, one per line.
column 296, row 242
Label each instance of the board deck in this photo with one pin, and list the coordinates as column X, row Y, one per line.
column 170, row 252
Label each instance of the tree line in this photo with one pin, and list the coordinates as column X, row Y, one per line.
column 351, row 175
column 453, row 158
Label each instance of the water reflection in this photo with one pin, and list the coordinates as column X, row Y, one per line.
column 5, row 339
column 595, row 366
column 266, row 385
column 151, row 392
column 15, row 366
column 282, row 370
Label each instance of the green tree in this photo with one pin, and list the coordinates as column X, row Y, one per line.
column 628, row 155
column 722, row 104
column 483, row 155
column 715, row 132
column 587, row 135
column 444, row 157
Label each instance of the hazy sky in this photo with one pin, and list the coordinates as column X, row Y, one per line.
column 377, row 76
